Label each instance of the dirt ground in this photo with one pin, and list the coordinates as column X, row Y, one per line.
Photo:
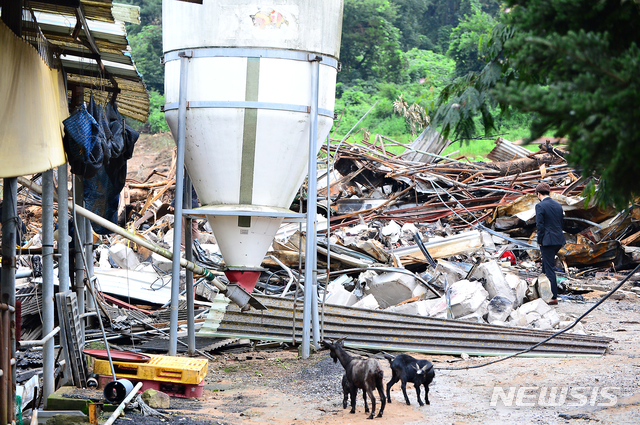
column 279, row 388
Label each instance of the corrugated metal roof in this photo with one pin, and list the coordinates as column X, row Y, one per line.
column 507, row 151
column 381, row 330
column 115, row 67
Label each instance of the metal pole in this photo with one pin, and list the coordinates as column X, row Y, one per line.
column 8, row 296
column 188, row 246
column 311, row 248
column 326, row 285
column 78, row 222
column 88, row 255
column 177, row 221
column 63, row 228
column 48, row 356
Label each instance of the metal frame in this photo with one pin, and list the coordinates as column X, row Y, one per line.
column 249, row 52
column 252, row 105
column 310, row 313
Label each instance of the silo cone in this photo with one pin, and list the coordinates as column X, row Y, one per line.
column 248, row 116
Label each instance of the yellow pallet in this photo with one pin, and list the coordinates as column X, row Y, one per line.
column 179, row 370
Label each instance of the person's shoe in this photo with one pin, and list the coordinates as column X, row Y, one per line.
column 553, row 301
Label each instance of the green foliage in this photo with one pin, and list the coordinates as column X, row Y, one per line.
column 589, row 57
column 466, row 39
column 470, row 96
column 574, row 66
column 156, row 121
column 146, row 47
column 370, row 47
column 427, row 72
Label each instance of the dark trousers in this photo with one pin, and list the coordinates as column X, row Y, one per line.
column 549, row 265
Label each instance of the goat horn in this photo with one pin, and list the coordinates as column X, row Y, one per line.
column 341, row 339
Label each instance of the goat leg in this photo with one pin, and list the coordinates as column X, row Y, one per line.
column 426, row 394
column 354, row 393
column 380, row 386
column 366, row 406
column 404, row 391
column 418, row 394
column 373, row 404
column 391, row 383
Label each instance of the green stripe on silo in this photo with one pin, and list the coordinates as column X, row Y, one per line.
column 249, row 138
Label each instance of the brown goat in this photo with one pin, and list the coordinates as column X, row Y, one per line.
column 365, row 374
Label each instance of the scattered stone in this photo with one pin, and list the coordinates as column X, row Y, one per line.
column 156, row 399
column 337, row 295
column 123, row 256
column 495, row 282
column 466, row 297
column 368, row 302
column 391, row 288
column 499, row 309
column 544, row 287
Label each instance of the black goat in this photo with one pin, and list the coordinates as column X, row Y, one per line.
column 407, row 369
column 346, row 389
column 360, row 373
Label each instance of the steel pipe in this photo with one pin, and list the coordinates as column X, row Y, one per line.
column 63, row 228
column 178, row 204
column 310, row 269
column 38, row 342
column 48, row 354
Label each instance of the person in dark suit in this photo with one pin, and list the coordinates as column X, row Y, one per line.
column 549, row 218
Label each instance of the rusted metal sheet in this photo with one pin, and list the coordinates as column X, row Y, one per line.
column 507, row 151
column 380, row 330
column 591, row 255
column 430, row 141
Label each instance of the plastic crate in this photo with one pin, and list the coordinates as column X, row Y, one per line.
column 180, row 370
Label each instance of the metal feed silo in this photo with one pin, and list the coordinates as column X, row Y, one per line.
column 248, row 116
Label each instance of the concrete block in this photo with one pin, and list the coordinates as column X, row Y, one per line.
column 495, row 282
column 391, row 288
column 418, row 308
column 368, row 302
column 162, row 263
column 156, row 399
column 487, row 241
column 543, row 324
column 544, row 287
column 539, row 306
column 452, row 271
column 337, row 295
column 533, row 317
column 123, row 256
column 519, row 288
column 552, row 316
column 473, row 317
column 517, row 318
column 499, row 309
column 408, row 230
column 466, row 297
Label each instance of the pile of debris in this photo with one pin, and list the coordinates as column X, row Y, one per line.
column 415, row 232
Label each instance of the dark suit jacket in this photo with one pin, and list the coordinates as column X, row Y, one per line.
column 549, row 223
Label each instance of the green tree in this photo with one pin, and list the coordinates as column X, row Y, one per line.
column 146, row 47
column 575, row 66
column 466, row 39
column 370, row 47
column 156, row 121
